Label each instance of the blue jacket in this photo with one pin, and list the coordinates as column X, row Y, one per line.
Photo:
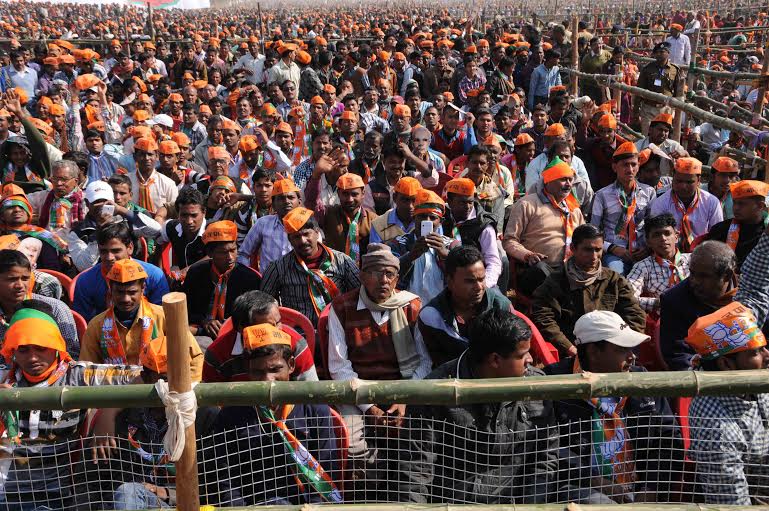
column 91, row 290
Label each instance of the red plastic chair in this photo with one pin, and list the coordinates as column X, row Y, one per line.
column 299, row 323
column 343, row 446
column 542, row 351
column 64, row 280
column 145, row 250
column 72, row 287
column 80, row 324
column 323, row 341
column 650, row 353
column 680, row 406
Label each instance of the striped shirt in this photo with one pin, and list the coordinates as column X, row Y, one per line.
column 267, row 240
column 287, row 282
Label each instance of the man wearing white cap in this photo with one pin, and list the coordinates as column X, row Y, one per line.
column 614, row 443
column 102, row 210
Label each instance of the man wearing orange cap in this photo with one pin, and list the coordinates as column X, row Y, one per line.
column 725, row 172
column 680, row 46
column 619, row 209
column 597, row 154
column 151, row 189
column 213, row 284
column 728, row 434
column 119, row 334
column 517, row 161
column 266, row 240
column 285, row 68
column 346, row 224
column 552, row 134
column 659, row 132
column 312, row 274
column 539, row 231
column 41, row 442
column 743, row 231
column 398, row 220
column 695, row 210
column 301, row 435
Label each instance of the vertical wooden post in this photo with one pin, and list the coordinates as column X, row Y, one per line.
column 262, row 35
column 179, row 380
column 574, row 55
column 689, row 83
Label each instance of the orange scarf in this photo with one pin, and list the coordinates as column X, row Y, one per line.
column 220, row 292
column 733, row 236
column 625, row 228
column 566, row 208
column 686, row 225
column 112, row 348
column 676, row 275
column 145, row 199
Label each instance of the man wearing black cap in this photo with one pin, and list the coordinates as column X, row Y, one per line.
column 660, row 76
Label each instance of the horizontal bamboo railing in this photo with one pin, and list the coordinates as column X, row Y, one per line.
column 430, row 392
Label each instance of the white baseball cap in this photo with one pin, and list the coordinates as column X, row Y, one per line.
column 98, row 190
column 163, row 120
column 607, row 326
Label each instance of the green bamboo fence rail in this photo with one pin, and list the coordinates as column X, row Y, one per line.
column 430, row 392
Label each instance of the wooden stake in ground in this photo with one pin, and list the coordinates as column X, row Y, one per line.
column 574, row 84
column 179, row 380
column 690, row 83
column 758, row 107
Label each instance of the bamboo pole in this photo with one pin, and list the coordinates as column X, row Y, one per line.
column 430, row 392
column 179, row 380
column 574, row 84
column 497, row 507
column 720, row 122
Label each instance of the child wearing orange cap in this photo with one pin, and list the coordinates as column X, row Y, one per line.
column 45, row 439
column 619, row 210
column 119, row 334
column 743, row 231
column 301, row 434
column 213, row 284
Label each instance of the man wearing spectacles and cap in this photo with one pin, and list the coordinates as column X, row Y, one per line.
column 371, row 336
column 614, row 443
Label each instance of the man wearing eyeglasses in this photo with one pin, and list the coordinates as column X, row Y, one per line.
column 64, row 204
column 371, row 336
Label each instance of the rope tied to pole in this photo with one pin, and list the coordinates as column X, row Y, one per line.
column 181, row 408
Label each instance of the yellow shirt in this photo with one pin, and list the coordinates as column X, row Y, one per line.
column 90, row 349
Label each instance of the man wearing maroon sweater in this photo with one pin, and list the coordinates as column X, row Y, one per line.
column 224, row 359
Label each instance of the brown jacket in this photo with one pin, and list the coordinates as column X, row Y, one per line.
column 557, row 308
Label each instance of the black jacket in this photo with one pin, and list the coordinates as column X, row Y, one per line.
column 199, row 286
column 656, row 443
column 486, row 453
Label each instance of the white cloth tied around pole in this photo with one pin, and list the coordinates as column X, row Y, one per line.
column 181, row 408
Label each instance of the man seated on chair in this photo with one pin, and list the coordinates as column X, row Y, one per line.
column 118, row 335
column 141, row 474
column 582, row 285
column 541, row 225
column 627, row 467
column 664, row 268
column 495, row 453
column 115, row 242
column 15, row 282
column 267, row 240
column 224, row 360
column 213, row 284
column 284, row 454
column 371, row 336
column 712, row 284
column 100, row 200
column 445, row 320
column 398, row 220
column 744, row 229
column 43, row 443
column 312, row 274
column 346, row 226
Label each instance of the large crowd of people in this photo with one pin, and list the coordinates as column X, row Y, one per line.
column 381, row 195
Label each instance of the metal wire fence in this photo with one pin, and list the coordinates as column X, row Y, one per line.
column 510, row 453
